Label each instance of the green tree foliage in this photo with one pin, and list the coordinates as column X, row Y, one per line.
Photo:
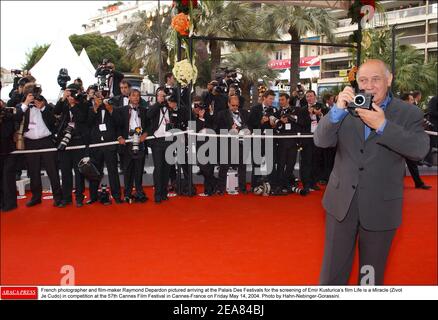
column 98, row 48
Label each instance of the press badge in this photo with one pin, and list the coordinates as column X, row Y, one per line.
column 102, row 127
column 288, row 126
column 32, row 125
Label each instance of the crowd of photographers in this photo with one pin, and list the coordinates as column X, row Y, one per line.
column 113, row 110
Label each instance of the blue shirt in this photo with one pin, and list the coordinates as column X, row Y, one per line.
column 337, row 114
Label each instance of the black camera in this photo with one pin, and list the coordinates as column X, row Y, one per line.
column 104, row 196
column 104, row 69
column 288, row 113
column 136, row 133
column 63, row 78
column 16, row 72
column 361, row 100
column 68, row 132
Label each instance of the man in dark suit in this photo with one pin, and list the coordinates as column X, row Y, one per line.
column 236, row 120
column 114, row 77
column 39, row 126
column 291, row 121
column 364, row 195
column 312, row 158
column 103, row 121
column 122, row 99
column 133, row 124
column 8, row 125
column 159, row 123
column 259, row 120
column 73, row 112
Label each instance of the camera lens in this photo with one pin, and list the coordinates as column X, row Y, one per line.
column 359, row 100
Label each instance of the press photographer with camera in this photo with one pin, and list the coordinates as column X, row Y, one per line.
column 259, row 118
column 38, row 131
column 364, row 196
column 312, row 158
column 133, row 125
column 109, row 78
column 290, row 121
column 160, row 123
column 236, row 120
column 72, row 130
column 103, row 121
column 204, row 120
column 9, row 122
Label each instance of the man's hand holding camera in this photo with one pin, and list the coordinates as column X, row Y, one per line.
column 29, row 99
column 372, row 118
column 264, row 119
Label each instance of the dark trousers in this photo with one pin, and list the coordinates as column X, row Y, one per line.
column 210, row 181
column 340, row 244
column 241, row 171
column 8, row 190
column 50, row 162
column 133, row 171
column 287, row 157
column 161, row 167
column 69, row 161
column 415, row 174
column 256, row 180
column 107, row 156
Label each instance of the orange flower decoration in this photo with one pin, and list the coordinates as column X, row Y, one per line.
column 181, row 24
column 352, row 74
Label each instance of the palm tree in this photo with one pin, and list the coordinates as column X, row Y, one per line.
column 143, row 36
column 253, row 66
column 297, row 22
column 224, row 19
column 411, row 71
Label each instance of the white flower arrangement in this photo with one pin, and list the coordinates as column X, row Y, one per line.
column 185, row 72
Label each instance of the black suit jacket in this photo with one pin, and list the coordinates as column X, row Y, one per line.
column 110, row 120
column 224, row 119
column 80, row 118
column 123, row 115
column 255, row 116
column 178, row 118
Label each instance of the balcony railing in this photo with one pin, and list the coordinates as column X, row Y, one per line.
column 397, row 14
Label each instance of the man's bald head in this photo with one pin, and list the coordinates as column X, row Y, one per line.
column 374, row 77
column 375, row 63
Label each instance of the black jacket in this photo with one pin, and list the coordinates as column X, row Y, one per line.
column 123, row 115
column 297, row 125
column 178, row 119
column 95, row 120
column 8, row 125
column 224, row 119
column 48, row 118
column 256, row 115
column 80, row 118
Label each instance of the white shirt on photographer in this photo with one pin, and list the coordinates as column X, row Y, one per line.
column 37, row 127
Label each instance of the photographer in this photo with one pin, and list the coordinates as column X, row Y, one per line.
column 179, row 118
column 122, row 99
column 220, row 99
column 9, row 121
column 312, row 161
column 204, row 120
column 160, row 122
column 291, row 121
column 259, row 118
column 72, row 131
column 39, row 126
column 207, row 96
column 364, row 197
column 133, row 124
column 234, row 90
column 109, row 78
column 236, row 120
column 102, row 120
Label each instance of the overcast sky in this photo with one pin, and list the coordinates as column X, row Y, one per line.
column 25, row 24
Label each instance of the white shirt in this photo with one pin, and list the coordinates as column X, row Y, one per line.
column 314, row 124
column 37, row 127
column 134, row 121
column 125, row 101
column 161, row 131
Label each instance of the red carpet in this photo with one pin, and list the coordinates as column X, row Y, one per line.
column 231, row 240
